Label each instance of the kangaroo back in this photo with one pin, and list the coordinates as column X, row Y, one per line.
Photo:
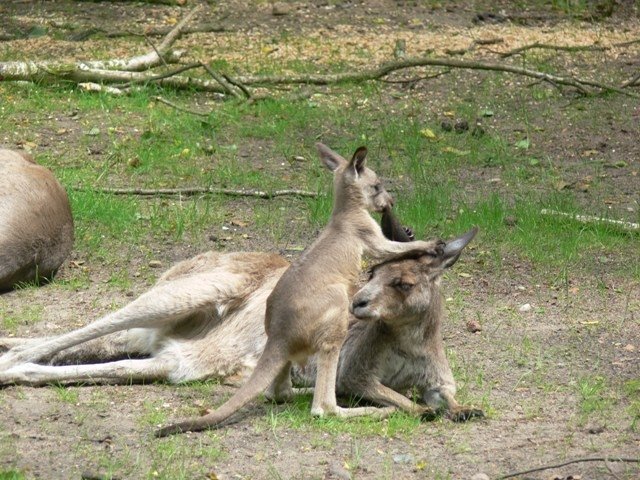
column 36, row 227
column 271, row 363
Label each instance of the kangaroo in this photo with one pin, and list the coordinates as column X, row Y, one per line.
column 307, row 311
column 393, row 342
column 36, row 226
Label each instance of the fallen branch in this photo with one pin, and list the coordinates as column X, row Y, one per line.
column 388, row 67
column 160, row 31
column 578, row 460
column 547, row 46
column 591, row 219
column 199, row 191
column 87, row 71
column 633, row 82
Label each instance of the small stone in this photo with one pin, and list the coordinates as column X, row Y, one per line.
column 446, row 125
column 336, row 471
column 403, row 458
column 279, row 9
column 474, row 326
column 461, row 126
column 525, row 308
column 510, row 221
column 155, row 264
column 480, row 476
column 133, row 162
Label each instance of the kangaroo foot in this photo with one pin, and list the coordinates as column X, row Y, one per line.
column 428, row 415
column 463, row 414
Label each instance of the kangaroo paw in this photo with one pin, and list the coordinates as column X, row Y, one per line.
column 428, row 415
column 463, row 414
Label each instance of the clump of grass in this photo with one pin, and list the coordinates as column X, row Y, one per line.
column 297, row 415
column 594, row 394
column 177, row 457
column 11, row 475
column 27, row 315
column 66, row 394
column 632, row 390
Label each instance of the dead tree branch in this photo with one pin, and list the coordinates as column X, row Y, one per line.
column 200, row 191
column 570, row 462
column 388, row 67
column 137, row 70
column 88, row 71
column 547, row 46
column 592, row 219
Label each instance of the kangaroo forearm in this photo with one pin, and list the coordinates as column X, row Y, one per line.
column 387, row 250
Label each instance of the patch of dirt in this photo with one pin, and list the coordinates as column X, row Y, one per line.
column 525, row 365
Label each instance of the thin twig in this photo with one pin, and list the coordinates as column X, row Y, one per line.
column 295, row 97
column 152, row 45
column 626, row 44
column 161, row 31
column 592, row 219
column 578, row 460
column 613, row 474
column 199, row 191
column 223, row 83
column 143, row 78
column 632, row 82
column 182, row 109
column 174, row 34
column 417, row 79
column 238, row 84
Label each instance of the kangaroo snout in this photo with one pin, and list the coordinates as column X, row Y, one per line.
column 361, row 307
column 358, row 304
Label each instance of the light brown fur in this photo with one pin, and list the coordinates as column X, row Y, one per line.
column 36, row 227
column 393, row 342
column 307, row 312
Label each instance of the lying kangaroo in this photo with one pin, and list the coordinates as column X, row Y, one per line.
column 36, row 227
column 307, row 311
column 393, row 343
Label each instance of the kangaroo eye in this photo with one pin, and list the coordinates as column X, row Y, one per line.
column 401, row 286
column 377, row 187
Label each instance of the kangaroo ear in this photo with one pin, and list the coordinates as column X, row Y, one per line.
column 331, row 159
column 453, row 248
column 358, row 160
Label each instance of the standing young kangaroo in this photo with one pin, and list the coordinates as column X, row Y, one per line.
column 36, row 227
column 307, row 311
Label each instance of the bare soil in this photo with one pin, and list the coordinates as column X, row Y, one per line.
column 525, row 366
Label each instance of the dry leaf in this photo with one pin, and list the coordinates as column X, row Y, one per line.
column 455, row 151
column 428, row 133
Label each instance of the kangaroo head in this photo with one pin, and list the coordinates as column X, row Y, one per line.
column 354, row 184
column 404, row 291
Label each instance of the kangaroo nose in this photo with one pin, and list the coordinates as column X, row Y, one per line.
column 358, row 303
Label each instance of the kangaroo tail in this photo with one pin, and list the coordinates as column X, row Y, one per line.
column 269, row 366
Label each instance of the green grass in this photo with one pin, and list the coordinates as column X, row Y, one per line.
column 297, row 415
column 632, row 391
column 27, row 315
column 595, row 395
column 11, row 475
column 150, row 145
column 67, row 394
